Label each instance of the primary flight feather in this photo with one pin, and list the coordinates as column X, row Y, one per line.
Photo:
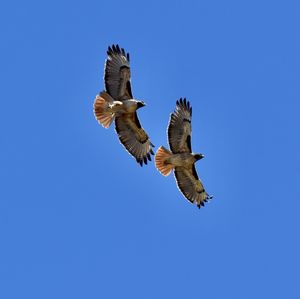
column 117, row 104
column 180, row 157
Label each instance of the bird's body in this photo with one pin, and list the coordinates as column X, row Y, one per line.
column 117, row 104
column 180, row 158
column 130, row 105
column 184, row 160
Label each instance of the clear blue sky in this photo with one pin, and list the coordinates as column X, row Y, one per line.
column 80, row 219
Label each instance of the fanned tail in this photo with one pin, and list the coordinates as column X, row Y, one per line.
column 102, row 110
column 161, row 156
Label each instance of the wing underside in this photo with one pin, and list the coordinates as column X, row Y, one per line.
column 133, row 137
column 190, row 186
column 117, row 73
column 179, row 128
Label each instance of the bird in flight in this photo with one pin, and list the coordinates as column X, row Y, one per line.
column 117, row 104
column 180, row 157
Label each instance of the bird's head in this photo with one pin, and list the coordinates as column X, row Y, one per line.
column 198, row 156
column 140, row 104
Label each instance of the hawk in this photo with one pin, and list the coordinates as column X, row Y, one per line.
column 180, row 158
column 117, row 104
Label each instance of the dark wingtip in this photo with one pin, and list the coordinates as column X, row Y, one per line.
column 145, row 160
column 116, row 49
column 139, row 161
column 109, row 50
column 184, row 103
column 201, row 204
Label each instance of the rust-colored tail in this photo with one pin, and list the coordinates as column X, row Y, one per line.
column 101, row 109
column 161, row 156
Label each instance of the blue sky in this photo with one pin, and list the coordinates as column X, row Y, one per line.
column 80, row 219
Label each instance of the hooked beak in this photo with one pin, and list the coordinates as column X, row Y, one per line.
column 199, row 156
column 141, row 104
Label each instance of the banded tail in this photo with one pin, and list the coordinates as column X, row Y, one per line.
column 161, row 156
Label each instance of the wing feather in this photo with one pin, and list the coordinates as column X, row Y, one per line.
column 190, row 186
column 133, row 137
column 179, row 128
column 117, row 73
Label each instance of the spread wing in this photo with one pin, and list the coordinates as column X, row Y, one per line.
column 117, row 73
column 190, row 186
column 133, row 137
column 180, row 129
